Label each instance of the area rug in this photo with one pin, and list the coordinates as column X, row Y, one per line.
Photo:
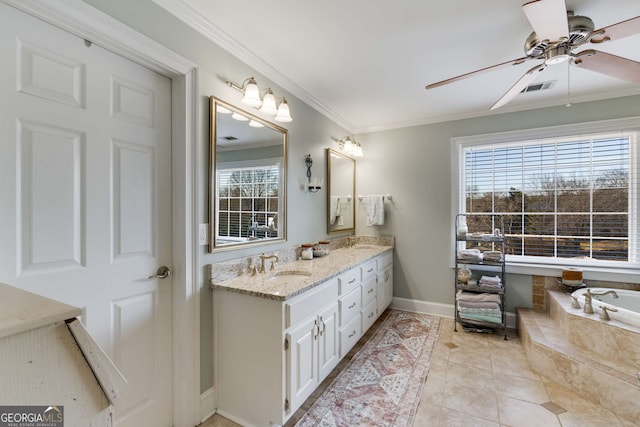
column 383, row 382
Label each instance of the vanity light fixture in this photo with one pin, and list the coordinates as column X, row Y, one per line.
column 266, row 105
column 269, row 103
column 312, row 185
column 350, row 146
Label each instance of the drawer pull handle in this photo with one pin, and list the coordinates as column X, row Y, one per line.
column 352, row 334
column 352, row 305
column 370, row 270
column 370, row 315
column 370, row 290
column 352, row 281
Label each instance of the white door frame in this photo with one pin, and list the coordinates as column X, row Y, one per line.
column 83, row 20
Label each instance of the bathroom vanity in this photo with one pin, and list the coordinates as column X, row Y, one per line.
column 280, row 333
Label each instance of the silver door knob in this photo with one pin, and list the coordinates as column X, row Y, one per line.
column 162, row 273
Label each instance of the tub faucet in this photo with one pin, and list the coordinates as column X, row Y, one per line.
column 588, row 308
column 612, row 292
column 603, row 312
column 264, row 257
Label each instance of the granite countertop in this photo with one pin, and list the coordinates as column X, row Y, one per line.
column 21, row 311
column 307, row 273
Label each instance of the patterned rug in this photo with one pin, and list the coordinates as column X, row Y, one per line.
column 382, row 384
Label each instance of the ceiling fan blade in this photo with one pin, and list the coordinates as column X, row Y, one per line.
column 548, row 19
column 477, row 72
column 617, row 31
column 524, row 81
column 611, row 65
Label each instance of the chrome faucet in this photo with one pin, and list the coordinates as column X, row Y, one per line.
column 264, row 257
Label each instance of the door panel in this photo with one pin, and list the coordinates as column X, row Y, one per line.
column 85, row 180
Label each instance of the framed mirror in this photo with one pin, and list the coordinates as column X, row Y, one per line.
column 341, row 190
column 248, row 176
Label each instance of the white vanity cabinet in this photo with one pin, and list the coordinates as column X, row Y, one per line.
column 272, row 351
column 312, row 343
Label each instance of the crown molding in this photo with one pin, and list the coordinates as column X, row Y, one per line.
column 195, row 20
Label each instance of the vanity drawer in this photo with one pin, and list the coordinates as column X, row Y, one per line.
column 385, row 260
column 369, row 314
column 350, row 306
column 369, row 290
column 369, row 269
column 349, row 335
column 349, row 280
column 310, row 302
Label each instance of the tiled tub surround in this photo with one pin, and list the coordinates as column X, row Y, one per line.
column 235, row 275
column 600, row 360
column 277, row 340
column 542, row 283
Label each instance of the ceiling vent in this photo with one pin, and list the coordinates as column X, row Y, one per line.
column 539, row 86
column 228, row 138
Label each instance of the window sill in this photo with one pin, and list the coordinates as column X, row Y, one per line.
column 624, row 275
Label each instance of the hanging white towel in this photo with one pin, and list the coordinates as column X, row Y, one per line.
column 375, row 210
column 334, row 209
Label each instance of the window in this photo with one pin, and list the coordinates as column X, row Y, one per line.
column 247, row 201
column 565, row 199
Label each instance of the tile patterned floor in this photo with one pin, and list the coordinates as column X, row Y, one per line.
column 481, row 380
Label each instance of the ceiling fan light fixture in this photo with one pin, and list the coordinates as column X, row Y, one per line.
column 557, row 55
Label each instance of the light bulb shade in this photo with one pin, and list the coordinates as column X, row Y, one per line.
column 239, row 117
column 269, row 104
column 252, row 94
column 357, row 150
column 220, row 109
column 348, row 145
column 255, row 124
column 283, row 114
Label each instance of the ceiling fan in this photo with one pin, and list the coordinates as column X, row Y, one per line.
column 557, row 34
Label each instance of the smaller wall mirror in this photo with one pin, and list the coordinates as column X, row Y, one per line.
column 248, row 178
column 341, row 189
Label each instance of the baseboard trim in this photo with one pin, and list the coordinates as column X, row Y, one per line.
column 437, row 309
column 207, row 404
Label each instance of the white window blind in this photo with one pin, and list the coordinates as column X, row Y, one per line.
column 247, row 196
column 570, row 200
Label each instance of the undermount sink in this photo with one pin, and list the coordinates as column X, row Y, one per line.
column 288, row 275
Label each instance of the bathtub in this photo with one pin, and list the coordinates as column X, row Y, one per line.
column 627, row 303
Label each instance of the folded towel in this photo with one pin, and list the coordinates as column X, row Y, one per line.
column 481, row 317
column 469, row 255
column 471, row 296
column 375, row 210
column 478, row 304
column 334, row 209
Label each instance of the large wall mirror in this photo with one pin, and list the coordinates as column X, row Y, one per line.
column 248, row 178
column 341, row 205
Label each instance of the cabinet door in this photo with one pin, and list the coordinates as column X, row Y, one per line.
column 303, row 362
column 328, row 351
column 385, row 288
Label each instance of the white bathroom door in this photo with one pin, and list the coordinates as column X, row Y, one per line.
column 85, row 197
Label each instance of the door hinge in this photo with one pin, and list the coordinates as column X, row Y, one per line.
column 286, row 404
column 286, row 343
